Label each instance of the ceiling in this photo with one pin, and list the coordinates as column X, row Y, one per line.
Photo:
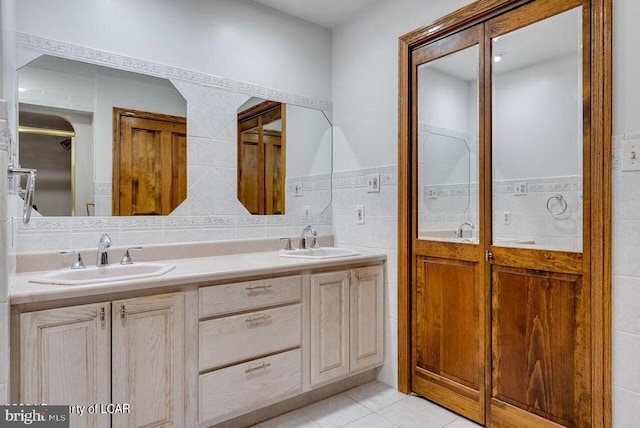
column 328, row 13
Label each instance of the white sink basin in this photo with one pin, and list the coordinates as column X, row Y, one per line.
column 94, row 274
column 319, row 253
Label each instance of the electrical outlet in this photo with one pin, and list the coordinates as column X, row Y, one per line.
column 506, row 217
column 520, row 189
column 373, row 183
column 359, row 214
column 307, row 210
column 297, row 188
column 432, row 193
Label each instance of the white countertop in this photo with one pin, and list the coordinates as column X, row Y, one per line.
column 197, row 271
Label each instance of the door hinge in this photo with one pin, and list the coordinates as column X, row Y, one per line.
column 488, row 255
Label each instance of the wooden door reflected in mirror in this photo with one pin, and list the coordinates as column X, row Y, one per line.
column 149, row 163
column 261, row 158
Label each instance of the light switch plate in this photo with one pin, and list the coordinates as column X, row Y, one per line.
column 297, row 188
column 631, row 155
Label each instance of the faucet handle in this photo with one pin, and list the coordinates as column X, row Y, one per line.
column 78, row 263
column 288, row 245
column 126, row 258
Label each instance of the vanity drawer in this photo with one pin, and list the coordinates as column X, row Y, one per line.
column 249, row 386
column 243, row 296
column 235, row 338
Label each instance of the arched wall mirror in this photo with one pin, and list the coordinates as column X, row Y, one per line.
column 85, row 95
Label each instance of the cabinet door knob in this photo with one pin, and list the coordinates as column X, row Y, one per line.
column 123, row 311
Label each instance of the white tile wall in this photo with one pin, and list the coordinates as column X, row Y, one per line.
column 379, row 232
column 626, row 293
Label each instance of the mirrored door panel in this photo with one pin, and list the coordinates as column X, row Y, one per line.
column 447, row 134
column 537, row 134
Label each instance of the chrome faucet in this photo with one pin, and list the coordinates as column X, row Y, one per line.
column 304, row 243
column 103, row 257
column 460, row 229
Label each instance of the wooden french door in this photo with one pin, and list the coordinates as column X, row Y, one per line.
column 449, row 310
column 149, row 163
column 541, row 351
column 508, row 314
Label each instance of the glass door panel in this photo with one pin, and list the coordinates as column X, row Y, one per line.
column 537, row 135
column 447, row 122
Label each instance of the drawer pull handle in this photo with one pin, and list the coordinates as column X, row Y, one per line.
column 262, row 365
column 259, row 317
column 258, row 287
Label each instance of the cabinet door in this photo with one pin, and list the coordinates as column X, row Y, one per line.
column 65, row 359
column 329, row 326
column 148, row 360
column 366, row 318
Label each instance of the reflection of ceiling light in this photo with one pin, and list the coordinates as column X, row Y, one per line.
column 498, row 57
column 22, row 89
column 495, row 39
column 436, row 28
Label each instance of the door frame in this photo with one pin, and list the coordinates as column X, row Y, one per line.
column 600, row 126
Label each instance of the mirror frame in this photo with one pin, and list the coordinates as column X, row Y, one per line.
column 187, row 82
column 599, row 14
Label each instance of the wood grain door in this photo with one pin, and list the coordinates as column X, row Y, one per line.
column 149, row 163
column 148, row 360
column 540, row 293
column 66, row 359
column 449, row 298
column 531, row 304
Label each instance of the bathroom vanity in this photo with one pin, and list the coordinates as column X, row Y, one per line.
column 212, row 339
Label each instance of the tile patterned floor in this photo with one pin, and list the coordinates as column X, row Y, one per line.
column 372, row 405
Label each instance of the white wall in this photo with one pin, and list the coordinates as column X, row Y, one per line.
column 365, row 79
column 626, row 218
column 230, row 38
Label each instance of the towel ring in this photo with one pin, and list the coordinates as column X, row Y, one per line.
column 559, row 208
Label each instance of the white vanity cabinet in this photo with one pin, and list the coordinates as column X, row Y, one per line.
column 148, row 360
column 249, row 346
column 66, row 359
column 346, row 322
column 127, row 351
